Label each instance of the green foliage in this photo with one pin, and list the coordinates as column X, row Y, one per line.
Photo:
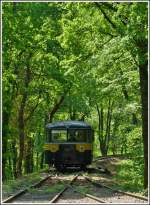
column 83, row 189
column 135, row 142
column 72, row 50
column 130, row 175
column 47, row 190
column 96, row 147
column 12, row 186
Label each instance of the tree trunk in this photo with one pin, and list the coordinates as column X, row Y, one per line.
column 103, row 149
column 104, row 140
column 5, row 127
column 58, row 104
column 14, row 150
column 32, row 151
column 21, row 135
column 37, row 161
column 107, row 138
column 73, row 115
column 10, row 167
column 107, row 135
column 21, row 123
column 29, row 156
column 42, row 160
column 114, row 138
column 99, row 124
column 143, row 72
column 144, row 98
column 100, row 131
column 102, row 122
column 4, row 143
column 55, row 108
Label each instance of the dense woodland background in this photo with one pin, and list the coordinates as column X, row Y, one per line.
column 78, row 61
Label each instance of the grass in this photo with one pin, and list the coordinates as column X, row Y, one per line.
column 25, row 181
column 83, row 189
column 130, row 176
column 12, row 186
column 50, row 189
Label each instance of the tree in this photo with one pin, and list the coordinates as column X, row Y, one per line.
column 50, row 74
column 135, row 29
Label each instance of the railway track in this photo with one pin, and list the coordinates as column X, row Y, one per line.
column 58, row 198
column 74, row 188
column 21, row 192
column 116, row 196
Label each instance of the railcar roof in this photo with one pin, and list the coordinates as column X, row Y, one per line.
column 68, row 124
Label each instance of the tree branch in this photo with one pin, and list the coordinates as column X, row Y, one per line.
column 105, row 15
column 57, row 104
column 109, row 5
column 32, row 111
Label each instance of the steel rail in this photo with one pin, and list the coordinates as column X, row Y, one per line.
column 13, row 197
column 115, row 190
column 88, row 195
column 56, row 197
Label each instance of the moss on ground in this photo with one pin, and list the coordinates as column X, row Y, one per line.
column 83, row 189
column 55, row 188
column 12, row 186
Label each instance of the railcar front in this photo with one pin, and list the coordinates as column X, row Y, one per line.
column 69, row 144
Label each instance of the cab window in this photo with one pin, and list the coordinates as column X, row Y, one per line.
column 78, row 135
column 58, row 135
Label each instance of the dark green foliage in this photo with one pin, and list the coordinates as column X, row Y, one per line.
column 82, row 61
column 130, row 175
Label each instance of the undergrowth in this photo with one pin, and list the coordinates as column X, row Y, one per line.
column 130, row 176
column 25, row 181
column 50, row 189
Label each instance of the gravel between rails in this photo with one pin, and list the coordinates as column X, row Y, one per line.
column 41, row 194
column 24, row 191
column 46, row 192
column 113, row 196
column 71, row 196
column 22, row 184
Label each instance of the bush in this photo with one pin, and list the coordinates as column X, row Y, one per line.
column 130, row 175
column 135, row 142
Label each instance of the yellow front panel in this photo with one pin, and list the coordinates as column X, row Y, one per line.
column 83, row 147
column 51, row 147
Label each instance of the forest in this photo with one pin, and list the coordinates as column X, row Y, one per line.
column 75, row 61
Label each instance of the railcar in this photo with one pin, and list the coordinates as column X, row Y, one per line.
column 69, row 144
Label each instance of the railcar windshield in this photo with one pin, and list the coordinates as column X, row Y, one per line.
column 70, row 135
column 79, row 135
column 59, row 135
